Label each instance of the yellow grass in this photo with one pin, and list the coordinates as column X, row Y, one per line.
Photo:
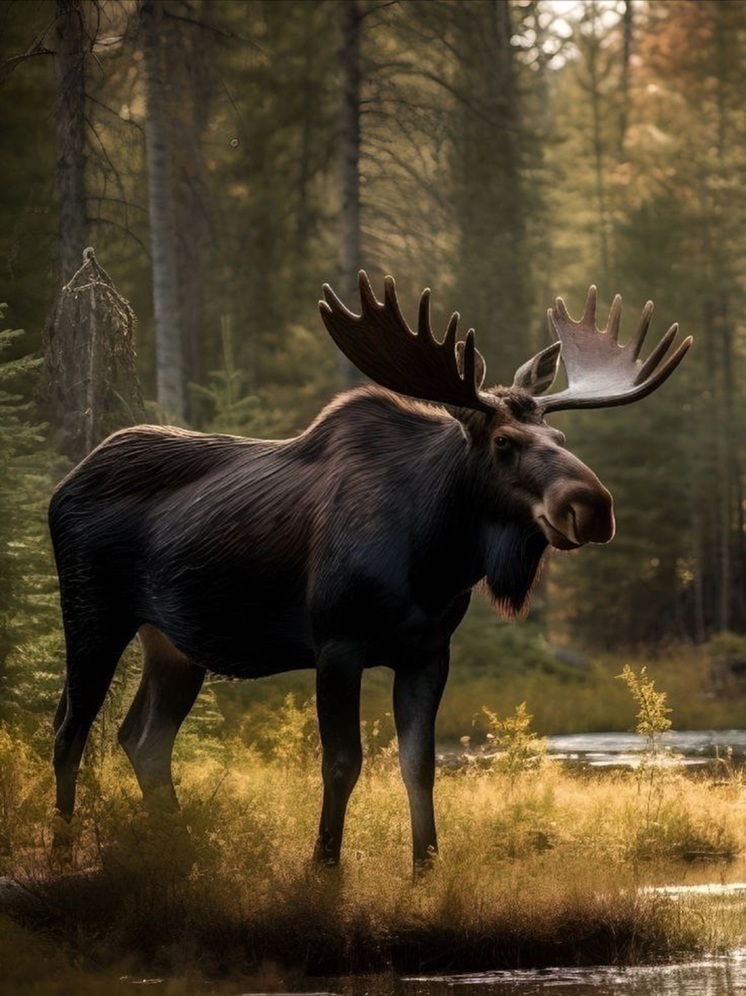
column 544, row 868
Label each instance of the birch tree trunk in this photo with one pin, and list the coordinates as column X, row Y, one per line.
column 169, row 349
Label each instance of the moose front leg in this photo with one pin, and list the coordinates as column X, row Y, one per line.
column 417, row 694
column 338, row 678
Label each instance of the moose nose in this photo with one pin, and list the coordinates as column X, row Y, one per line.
column 578, row 513
column 590, row 513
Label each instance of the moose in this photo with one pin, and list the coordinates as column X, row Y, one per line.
column 357, row 543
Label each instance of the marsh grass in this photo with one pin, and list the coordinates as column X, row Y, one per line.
column 538, row 866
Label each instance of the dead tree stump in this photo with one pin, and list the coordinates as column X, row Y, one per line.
column 89, row 385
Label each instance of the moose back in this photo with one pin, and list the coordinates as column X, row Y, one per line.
column 356, row 544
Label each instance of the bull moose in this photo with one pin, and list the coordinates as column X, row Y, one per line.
column 358, row 543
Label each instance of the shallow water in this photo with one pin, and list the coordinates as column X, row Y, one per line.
column 707, row 977
column 711, row 977
column 689, row 748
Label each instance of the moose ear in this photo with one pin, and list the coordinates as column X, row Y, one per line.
column 537, row 375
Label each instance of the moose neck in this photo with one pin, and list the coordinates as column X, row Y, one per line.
column 419, row 467
column 470, row 534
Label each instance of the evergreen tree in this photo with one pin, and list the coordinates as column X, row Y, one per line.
column 26, row 606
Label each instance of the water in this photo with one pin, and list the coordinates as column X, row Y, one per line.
column 689, row 748
column 707, row 977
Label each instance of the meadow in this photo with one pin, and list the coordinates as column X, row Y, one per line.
column 538, row 866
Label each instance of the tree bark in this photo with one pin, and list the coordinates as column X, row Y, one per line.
column 71, row 45
column 192, row 210
column 594, row 73
column 350, row 254
column 627, row 25
column 169, row 348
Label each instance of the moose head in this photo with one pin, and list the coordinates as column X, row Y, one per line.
column 531, row 467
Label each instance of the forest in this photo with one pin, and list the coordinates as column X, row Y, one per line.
column 179, row 179
column 224, row 159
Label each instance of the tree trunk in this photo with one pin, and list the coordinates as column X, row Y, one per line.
column 594, row 73
column 158, row 140
column 627, row 23
column 350, row 243
column 490, row 205
column 189, row 68
column 71, row 46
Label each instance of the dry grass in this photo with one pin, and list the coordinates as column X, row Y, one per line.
column 543, row 868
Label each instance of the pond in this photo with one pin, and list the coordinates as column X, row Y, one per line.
column 706, row 977
column 690, row 748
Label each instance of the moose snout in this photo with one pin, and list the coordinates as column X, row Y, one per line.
column 578, row 513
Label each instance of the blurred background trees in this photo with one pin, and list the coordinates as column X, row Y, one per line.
column 225, row 158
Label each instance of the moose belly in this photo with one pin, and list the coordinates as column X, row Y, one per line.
column 237, row 634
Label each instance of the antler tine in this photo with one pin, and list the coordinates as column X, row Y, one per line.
column 332, row 303
column 589, row 315
column 469, row 359
column 642, row 328
column 423, row 318
column 381, row 345
column 449, row 342
column 657, row 355
column 368, row 299
column 600, row 372
column 615, row 314
column 558, row 311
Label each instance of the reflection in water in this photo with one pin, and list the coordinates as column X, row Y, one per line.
column 690, row 747
column 711, row 749
column 708, row 977
column 712, row 977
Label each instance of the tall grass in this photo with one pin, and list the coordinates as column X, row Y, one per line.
column 537, row 866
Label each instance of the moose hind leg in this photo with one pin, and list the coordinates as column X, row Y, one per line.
column 168, row 689
column 93, row 653
column 338, row 680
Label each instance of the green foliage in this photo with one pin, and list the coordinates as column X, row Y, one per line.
column 17, row 435
column 653, row 775
column 652, row 717
column 726, row 653
column 226, row 404
column 27, row 585
column 519, row 749
column 289, row 733
column 25, row 782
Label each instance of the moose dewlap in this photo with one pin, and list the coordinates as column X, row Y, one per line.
column 353, row 545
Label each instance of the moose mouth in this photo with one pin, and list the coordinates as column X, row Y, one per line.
column 555, row 538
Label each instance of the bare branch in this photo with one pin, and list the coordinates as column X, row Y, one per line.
column 9, row 65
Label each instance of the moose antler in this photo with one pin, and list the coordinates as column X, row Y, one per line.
column 381, row 345
column 600, row 372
